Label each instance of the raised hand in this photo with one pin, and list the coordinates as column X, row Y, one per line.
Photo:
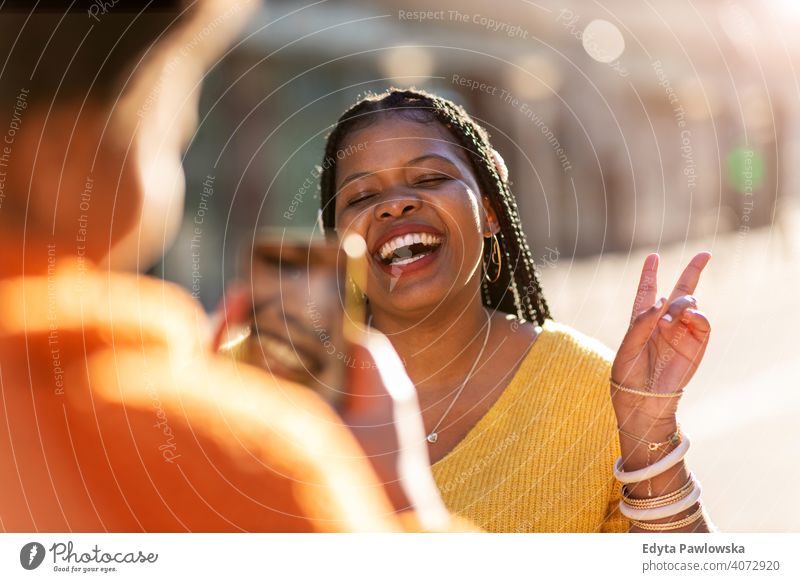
column 664, row 345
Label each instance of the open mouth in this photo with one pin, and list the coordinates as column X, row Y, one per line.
column 294, row 361
column 408, row 248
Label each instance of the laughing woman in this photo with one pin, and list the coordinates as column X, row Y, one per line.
column 531, row 425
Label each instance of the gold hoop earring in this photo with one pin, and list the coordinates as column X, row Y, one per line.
column 494, row 259
column 355, row 290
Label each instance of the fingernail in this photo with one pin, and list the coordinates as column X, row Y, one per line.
column 660, row 303
column 667, row 317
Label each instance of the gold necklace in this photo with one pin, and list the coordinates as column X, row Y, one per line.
column 433, row 436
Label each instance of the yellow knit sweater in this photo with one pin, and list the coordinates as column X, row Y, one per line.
column 540, row 459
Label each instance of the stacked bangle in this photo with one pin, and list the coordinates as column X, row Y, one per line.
column 666, row 499
column 672, row 525
column 662, row 511
column 667, row 505
column 650, row 471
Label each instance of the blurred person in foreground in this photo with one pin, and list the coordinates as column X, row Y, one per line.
column 115, row 413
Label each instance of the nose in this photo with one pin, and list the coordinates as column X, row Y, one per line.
column 396, row 206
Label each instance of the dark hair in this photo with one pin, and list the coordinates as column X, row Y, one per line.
column 517, row 289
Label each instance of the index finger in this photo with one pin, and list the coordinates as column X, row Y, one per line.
column 646, row 291
column 688, row 280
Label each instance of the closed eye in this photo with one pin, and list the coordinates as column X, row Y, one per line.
column 432, row 180
column 359, row 198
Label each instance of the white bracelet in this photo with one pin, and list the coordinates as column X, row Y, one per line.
column 673, row 458
column 661, row 512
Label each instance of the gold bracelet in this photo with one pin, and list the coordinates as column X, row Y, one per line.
column 672, row 525
column 639, row 392
column 661, row 501
column 674, row 439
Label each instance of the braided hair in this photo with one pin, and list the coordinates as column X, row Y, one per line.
column 516, row 290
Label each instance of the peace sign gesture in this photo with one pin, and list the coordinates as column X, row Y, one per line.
column 664, row 344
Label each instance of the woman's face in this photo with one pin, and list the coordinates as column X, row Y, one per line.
column 410, row 192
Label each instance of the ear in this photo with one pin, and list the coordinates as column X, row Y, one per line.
column 491, row 225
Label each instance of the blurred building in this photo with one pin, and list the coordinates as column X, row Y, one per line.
column 624, row 124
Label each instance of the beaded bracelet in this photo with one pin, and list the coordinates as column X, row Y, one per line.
column 662, row 500
column 670, row 525
column 663, row 511
column 650, row 471
column 640, row 392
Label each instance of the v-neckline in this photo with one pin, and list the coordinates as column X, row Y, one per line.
column 527, row 360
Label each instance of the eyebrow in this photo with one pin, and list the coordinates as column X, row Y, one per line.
column 358, row 175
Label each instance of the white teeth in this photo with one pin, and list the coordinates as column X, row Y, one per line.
column 409, row 259
column 388, row 248
column 280, row 351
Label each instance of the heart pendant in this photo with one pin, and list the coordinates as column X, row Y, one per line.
column 433, row 437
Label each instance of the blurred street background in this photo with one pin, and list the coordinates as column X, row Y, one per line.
column 628, row 127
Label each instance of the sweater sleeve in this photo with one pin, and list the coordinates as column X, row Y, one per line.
column 615, row 522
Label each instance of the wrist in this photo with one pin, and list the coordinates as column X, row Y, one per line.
column 643, row 411
column 640, row 423
column 640, row 446
column 634, row 430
